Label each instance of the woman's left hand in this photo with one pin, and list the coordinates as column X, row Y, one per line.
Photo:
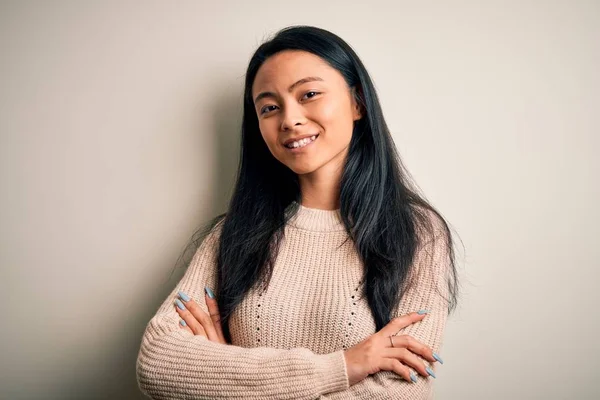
column 196, row 321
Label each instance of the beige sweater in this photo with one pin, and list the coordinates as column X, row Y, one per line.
column 288, row 341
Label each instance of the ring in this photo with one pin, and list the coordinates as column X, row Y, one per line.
column 391, row 341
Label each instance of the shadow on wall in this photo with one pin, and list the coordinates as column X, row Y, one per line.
column 118, row 380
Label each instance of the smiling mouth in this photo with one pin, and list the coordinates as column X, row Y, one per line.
column 302, row 143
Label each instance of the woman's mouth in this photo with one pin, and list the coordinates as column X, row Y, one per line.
column 301, row 144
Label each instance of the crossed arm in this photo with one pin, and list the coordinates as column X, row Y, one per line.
column 174, row 363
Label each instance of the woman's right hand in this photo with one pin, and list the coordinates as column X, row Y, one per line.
column 376, row 353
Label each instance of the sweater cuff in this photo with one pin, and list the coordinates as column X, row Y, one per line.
column 332, row 372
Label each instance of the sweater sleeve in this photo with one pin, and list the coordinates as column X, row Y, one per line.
column 428, row 292
column 172, row 363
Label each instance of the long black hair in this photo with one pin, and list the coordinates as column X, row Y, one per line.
column 380, row 206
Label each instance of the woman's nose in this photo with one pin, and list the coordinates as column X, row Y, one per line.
column 292, row 116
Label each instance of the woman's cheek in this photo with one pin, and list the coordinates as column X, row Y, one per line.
column 327, row 112
column 332, row 119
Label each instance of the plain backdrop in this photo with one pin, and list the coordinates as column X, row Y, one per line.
column 120, row 123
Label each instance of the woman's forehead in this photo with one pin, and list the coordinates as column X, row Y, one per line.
column 286, row 68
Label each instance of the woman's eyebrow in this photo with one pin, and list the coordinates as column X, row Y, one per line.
column 299, row 82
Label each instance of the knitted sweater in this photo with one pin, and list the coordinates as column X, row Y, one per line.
column 288, row 340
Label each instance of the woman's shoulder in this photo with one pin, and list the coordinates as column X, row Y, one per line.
column 214, row 230
column 206, row 239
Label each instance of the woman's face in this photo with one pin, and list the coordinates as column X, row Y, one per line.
column 298, row 96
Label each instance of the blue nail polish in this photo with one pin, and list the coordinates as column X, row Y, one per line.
column 182, row 322
column 184, row 297
column 438, row 358
column 209, row 292
column 421, row 312
column 179, row 304
column 413, row 377
column 430, row 371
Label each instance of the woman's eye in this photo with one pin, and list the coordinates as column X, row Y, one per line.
column 265, row 109
column 314, row 93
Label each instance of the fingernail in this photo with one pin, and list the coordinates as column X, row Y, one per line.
column 430, row 371
column 179, row 304
column 182, row 322
column 438, row 358
column 184, row 297
column 413, row 377
column 209, row 292
column 421, row 312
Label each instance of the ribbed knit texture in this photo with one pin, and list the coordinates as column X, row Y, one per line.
column 288, row 341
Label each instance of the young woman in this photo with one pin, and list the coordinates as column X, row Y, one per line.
column 329, row 276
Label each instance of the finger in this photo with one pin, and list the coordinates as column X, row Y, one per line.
column 183, row 325
column 412, row 344
column 200, row 316
column 390, row 364
column 189, row 319
column 401, row 322
column 407, row 357
column 213, row 311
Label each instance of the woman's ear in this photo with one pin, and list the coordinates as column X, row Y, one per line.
column 357, row 103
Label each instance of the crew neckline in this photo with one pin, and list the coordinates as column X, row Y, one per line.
column 316, row 219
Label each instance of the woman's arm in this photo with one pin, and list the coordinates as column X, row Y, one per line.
column 173, row 363
column 429, row 292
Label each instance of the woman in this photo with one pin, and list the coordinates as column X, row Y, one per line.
column 329, row 276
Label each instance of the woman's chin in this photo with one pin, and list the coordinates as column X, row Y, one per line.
column 302, row 168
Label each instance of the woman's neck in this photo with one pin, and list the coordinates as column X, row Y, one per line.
column 321, row 189
column 321, row 203
column 317, row 220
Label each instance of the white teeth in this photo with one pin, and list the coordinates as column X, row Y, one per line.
column 302, row 142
